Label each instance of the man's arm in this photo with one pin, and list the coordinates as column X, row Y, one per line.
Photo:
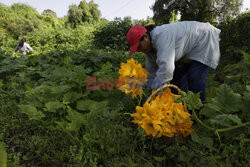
column 151, row 67
column 29, row 48
column 165, row 45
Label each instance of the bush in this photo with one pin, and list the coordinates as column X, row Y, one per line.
column 234, row 35
column 113, row 34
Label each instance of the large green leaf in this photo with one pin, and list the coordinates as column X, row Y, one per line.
column 184, row 154
column 63, row 124
column 71, row 97
column 80, row 72
column 206, row 141
column 193, row 101
column 84, row 105
column 60, row 89
column 226, row 101
column 226, row 120
column 59, row 72
column 31, row 111
column 246, row 57
column 53, row 106
column 99, row 106
column 76, row 120
column 206, row 111
column 100, row 110
column 105, row 72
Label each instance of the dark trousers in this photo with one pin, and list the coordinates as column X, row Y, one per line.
column 191, row 76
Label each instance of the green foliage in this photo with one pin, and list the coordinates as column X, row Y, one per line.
column 94, row 11
column 205, row 10
column 223, row 100
column 21, row 25
column 116, row 32
column 21, row 19
column 226, row 120
column 236, row 74
column 84, row 12
column 59, row 38
column 49, row 13
column 48, row 117
column 234, row 36
column 76, row 120
column 225, row 111
column 147, row 22
column 206, row 141
column 3, row 156
column 193, row 101
column 75, row 15
column 49, row 97
column 32, row 112
column 85, row 9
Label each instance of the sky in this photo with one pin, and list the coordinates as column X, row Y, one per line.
column 137, row 9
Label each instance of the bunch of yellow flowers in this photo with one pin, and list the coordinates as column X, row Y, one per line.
column 132, row 76
column 163, row 117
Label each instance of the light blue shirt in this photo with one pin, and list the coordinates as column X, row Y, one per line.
column 191, row 39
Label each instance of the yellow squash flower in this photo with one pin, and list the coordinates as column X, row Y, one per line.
column 134, row 76
column 163, row 117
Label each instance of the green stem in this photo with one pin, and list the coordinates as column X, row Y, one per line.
column 202, row 123
column 233, row 127
column 216, row 132
column 140, row 98
column 143, row 93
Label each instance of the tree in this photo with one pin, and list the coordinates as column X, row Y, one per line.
column 49, row 13
column 95, row 12
column 75, row 15
column 86, row 15
column 84, row 12
column 199, row 10
column 148, row 21
column 113, row 34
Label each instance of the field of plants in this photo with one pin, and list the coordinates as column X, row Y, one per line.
column 49, row 117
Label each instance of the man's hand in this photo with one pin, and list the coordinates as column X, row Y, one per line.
column 148, row 84
column 157, row 83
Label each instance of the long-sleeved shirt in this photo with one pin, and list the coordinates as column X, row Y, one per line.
column 190, row 39
column 23, row 48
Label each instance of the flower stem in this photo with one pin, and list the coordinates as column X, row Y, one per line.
column 218, row 130
column 233, row 127
column 202, row 123
column 217, row 133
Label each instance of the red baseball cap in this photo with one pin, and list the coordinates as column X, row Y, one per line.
column 133, row 37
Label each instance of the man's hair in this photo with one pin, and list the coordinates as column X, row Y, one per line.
column 149, row 29
column 22, row 42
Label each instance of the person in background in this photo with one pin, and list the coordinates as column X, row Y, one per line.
column 180, row 52
column 22, row 46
